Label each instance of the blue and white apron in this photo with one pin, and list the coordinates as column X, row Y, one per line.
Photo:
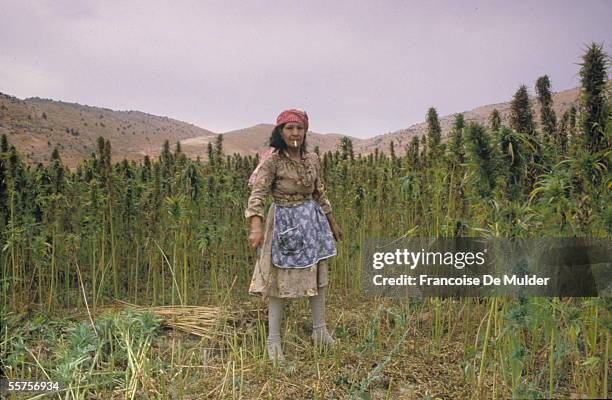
column 302, row 236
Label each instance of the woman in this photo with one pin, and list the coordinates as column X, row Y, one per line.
column 297, row 238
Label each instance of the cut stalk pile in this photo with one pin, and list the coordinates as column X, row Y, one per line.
column 204, row 321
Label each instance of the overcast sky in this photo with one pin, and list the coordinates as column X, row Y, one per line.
column 360, row 68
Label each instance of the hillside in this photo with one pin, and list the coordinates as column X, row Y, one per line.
column 35, row 126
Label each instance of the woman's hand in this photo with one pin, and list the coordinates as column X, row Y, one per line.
column 335, row 228
column 256, row 234
column 256, row 238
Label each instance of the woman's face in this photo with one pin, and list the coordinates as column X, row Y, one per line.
column 293, row 134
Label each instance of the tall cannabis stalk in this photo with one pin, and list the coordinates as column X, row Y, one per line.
column 548, row 118
column 434, row 131
column 594, row 76
column 521, row 114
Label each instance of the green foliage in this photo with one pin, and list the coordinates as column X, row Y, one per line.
column 482, row 160
column 512, row 146
column 548, row 118
column 495, row 120
column 412, row 154
column 346, row 148
column 219, row 149
column 521, row 114
column 561, row 137
column 434, row 131
column 55, row 154
column 456, row 139
column 4, row 144
column 84, row 358
column 595, row 110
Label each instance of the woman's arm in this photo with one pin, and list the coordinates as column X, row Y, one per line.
column 255, row 207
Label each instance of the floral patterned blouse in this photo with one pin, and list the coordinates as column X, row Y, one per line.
column 288, row 181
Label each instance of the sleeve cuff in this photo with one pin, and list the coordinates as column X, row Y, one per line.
column 250, row 213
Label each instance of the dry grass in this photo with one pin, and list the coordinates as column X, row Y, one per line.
column 205, row 336
column 384, row 350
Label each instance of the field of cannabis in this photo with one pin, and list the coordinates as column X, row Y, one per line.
column 129, row 281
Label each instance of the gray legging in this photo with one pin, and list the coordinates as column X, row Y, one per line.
column 275, row 315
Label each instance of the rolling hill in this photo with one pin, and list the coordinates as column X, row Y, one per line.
column 35, row 126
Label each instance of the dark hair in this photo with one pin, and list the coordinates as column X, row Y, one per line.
column 276, row 139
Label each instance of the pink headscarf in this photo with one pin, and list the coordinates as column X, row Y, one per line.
column 291, row 115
